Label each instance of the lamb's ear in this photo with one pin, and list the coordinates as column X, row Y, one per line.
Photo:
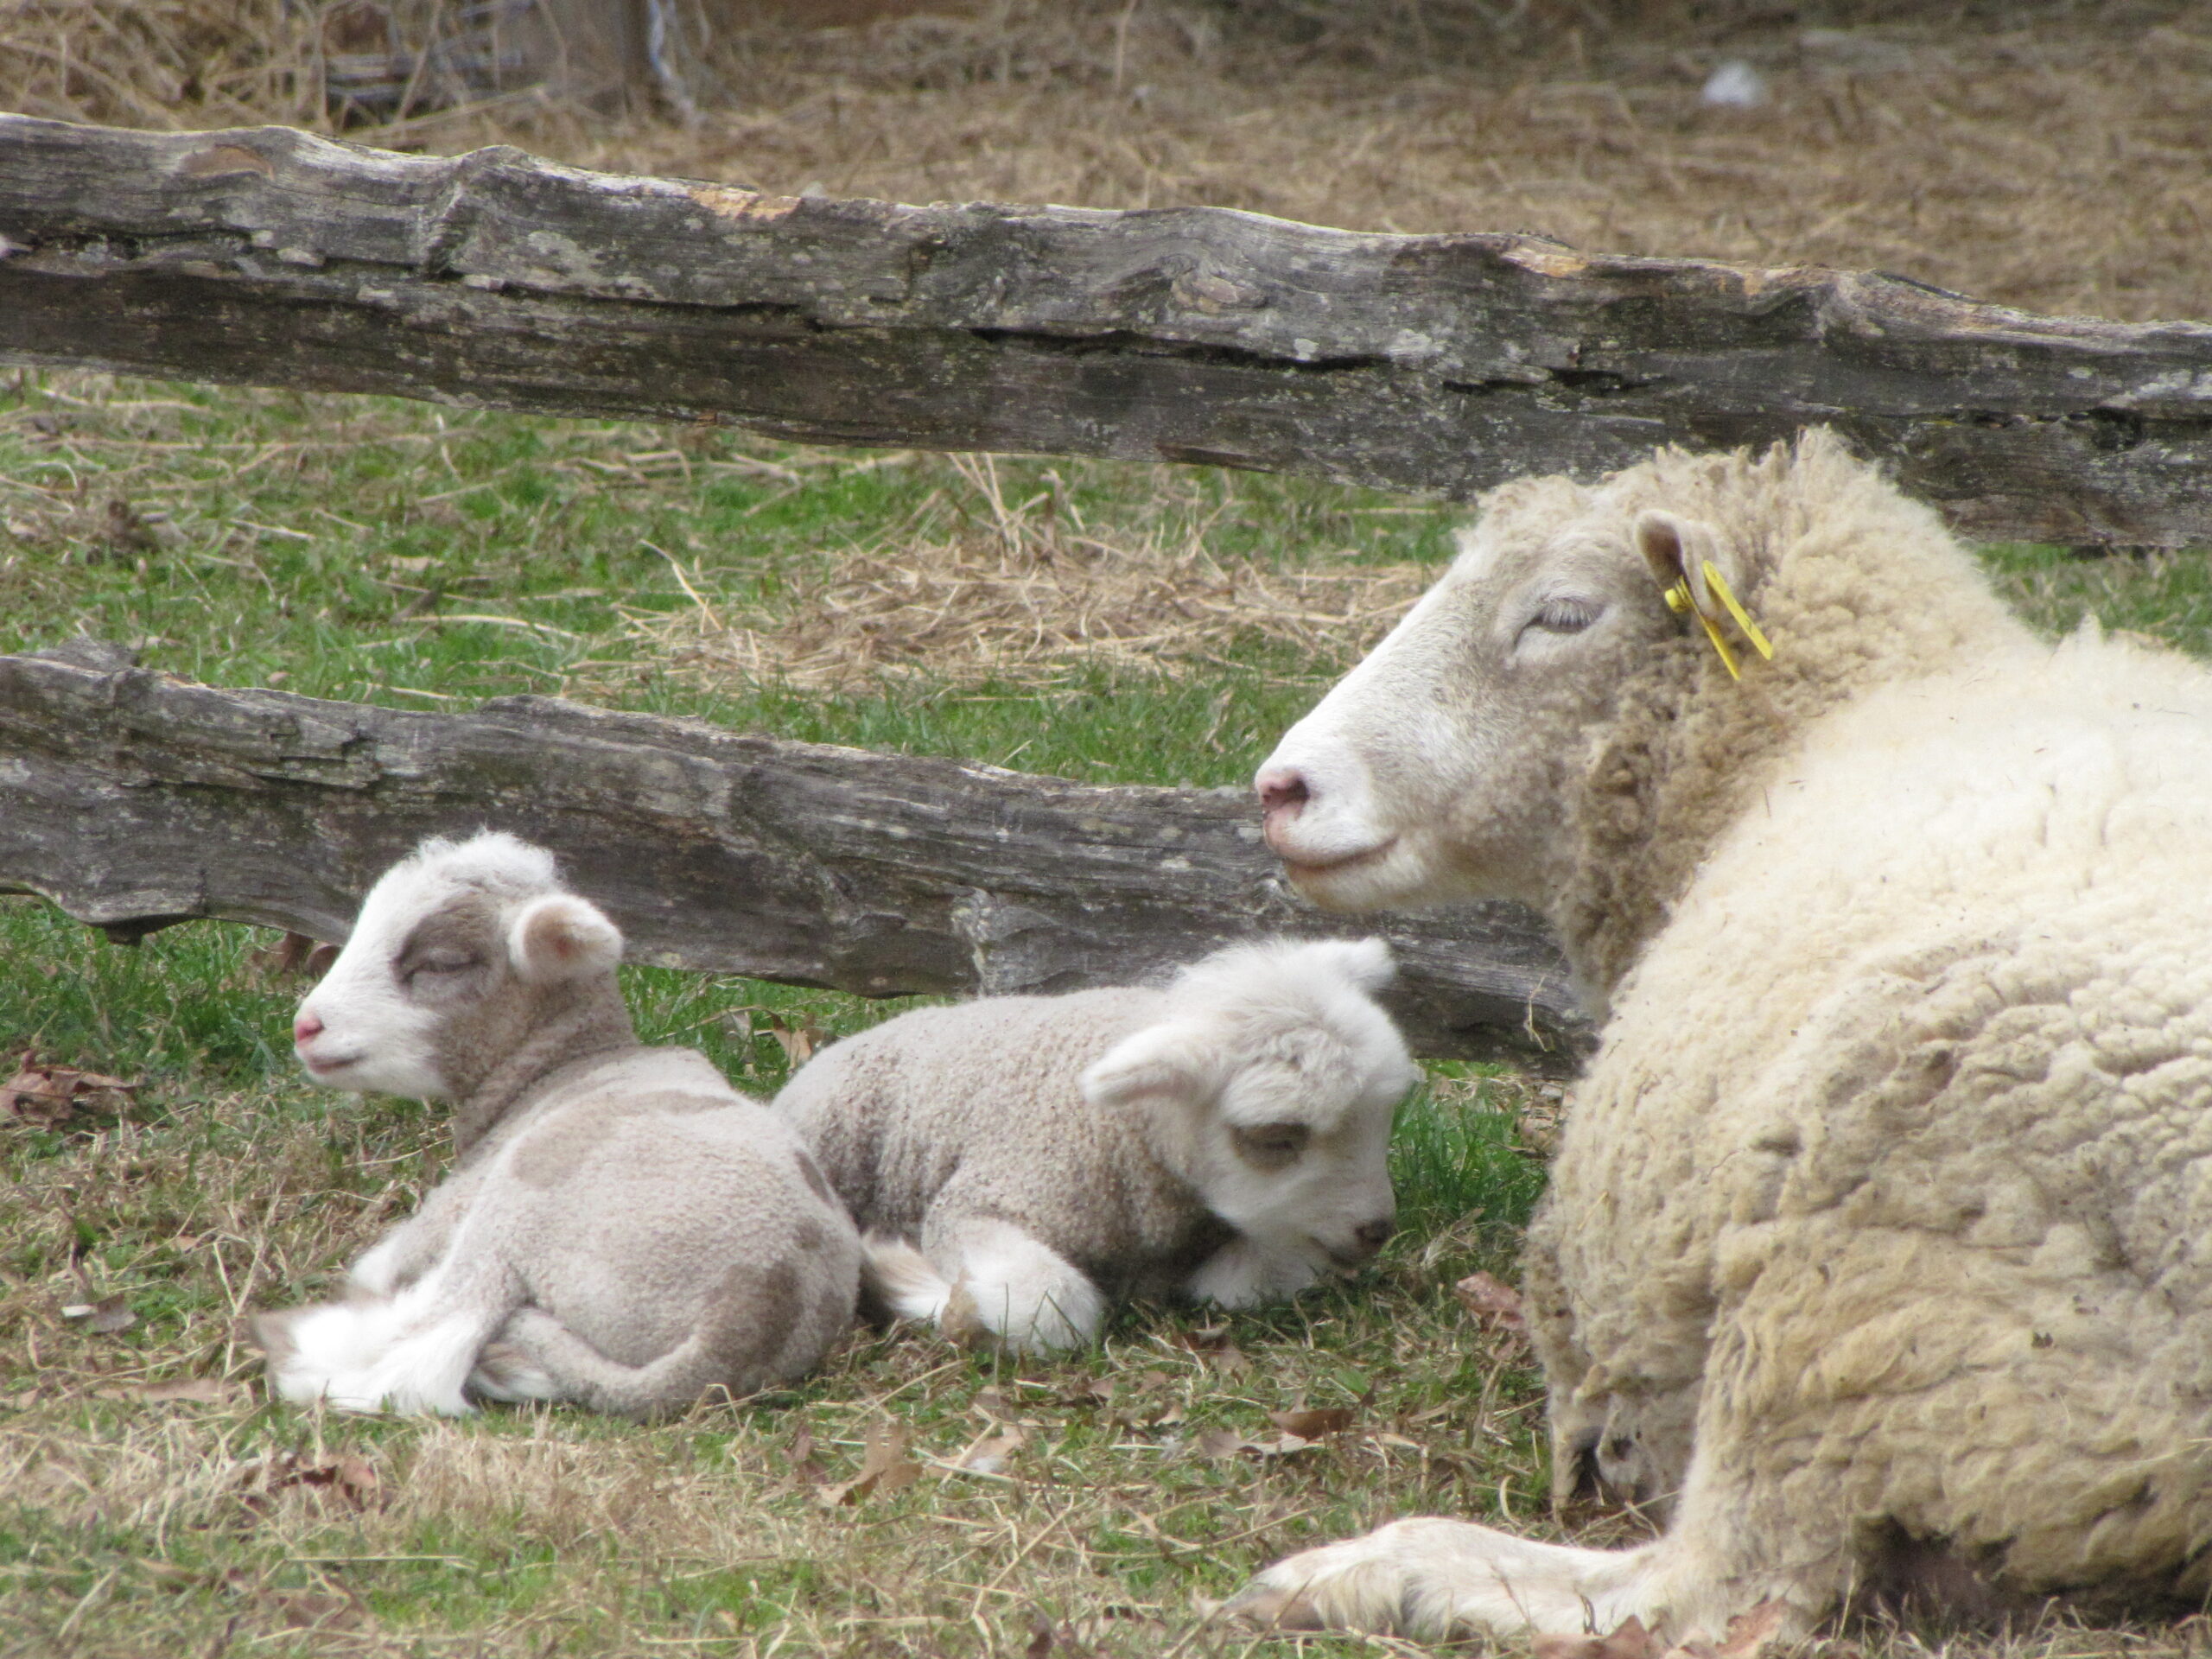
column 1366, row 963
column 1179, row 1060
column 563, row 937
column 1677, row 549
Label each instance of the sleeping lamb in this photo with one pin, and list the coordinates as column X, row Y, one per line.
column 623, row 1229
column 1224, row 1138
column 1877, row 1255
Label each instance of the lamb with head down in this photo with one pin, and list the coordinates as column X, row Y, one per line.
column 622, row 1229
column 1875, row 1256
column 1019, row 1162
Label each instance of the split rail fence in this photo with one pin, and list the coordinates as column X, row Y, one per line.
column 1442, row 364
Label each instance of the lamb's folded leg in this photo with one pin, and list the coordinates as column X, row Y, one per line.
column 1013, row 1286
column 411, row 1248
column 538, row 1358
column 1248, row 1271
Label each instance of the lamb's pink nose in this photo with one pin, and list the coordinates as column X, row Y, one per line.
column 306, row 1028
column 1282, row 790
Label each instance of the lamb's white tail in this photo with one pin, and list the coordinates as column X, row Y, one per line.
column 902, row 1278
column 407, row 1353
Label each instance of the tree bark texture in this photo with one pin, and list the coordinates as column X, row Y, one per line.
column 133, row 800
column 1442, row 363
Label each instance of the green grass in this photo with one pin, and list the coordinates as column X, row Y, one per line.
column 127, row 1524
column 333, row 546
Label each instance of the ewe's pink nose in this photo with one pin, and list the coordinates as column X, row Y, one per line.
column 1282, row 789
column 306, row 1028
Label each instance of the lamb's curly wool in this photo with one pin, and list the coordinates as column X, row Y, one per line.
column 1224, row 1137
column 623, row 1230
column 1880, row 1244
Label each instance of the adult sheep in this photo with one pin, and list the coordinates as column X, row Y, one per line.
column 1878, row 1255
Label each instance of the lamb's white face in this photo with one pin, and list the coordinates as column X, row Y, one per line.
column 1437, row 770
column 441, row 967
column 1286, row 1076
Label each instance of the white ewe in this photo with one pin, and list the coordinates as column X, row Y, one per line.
column 623, row 1230
column 1878, row 1255
column 1224, row 1138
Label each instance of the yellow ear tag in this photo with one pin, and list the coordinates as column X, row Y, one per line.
column 1678, row 599
column 1751, row 628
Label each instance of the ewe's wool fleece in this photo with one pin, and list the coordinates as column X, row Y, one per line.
column 1898, row 1140
column 1878, row 1247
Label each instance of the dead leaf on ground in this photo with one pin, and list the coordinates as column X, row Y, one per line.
column 992, row 1403
column 1496, row 1304
column 1312, row 1423
column 988, row 1452
column 884, row 1468
column 302, row 1610
column 798, row 1042
column 1223, row 1443
column 346, row 1477
column 799, row 1454
column 200, row 1390
column 1629, row 1641
column 1212, row 1343
column 1046, row 1637
column 293, row 956
column 48, row 1096
column 1748, row 1635
column 107, row 1316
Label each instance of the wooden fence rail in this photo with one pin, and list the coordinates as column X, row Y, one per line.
column 1425, row 362
column 133, row 800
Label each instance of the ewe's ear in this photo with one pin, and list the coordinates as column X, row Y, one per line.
column 563, row 937
column 1677, row 549
column 1179, row 1060
column 1366, row 963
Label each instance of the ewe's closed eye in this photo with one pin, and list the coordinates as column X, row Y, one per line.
column 1271, row 1145
column 1563, row 616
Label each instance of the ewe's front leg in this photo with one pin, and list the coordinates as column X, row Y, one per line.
column 1432, row 1579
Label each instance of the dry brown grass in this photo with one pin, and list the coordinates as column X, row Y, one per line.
column 2052, row 157
column 1022, row 597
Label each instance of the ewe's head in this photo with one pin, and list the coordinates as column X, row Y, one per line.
column 461, row 952
column 1280, row 1074
column 1440, row 767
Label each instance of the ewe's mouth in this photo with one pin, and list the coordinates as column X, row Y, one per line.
column 319, row 1067
column 1306, row 869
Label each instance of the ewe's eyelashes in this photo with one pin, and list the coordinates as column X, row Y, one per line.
column 1560, row 615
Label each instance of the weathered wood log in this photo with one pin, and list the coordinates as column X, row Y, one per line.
column 133, row 800
column 1431, row 362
